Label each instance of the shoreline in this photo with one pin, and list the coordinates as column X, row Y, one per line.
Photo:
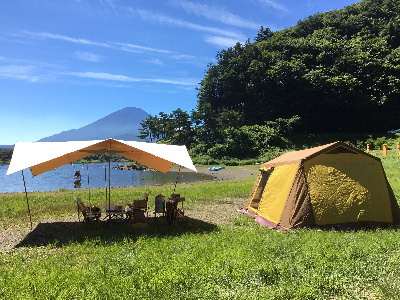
column 229, row 173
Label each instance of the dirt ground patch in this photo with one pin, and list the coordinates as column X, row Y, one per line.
column 222, row 213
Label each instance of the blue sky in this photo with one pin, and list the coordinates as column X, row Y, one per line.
column 65, row 64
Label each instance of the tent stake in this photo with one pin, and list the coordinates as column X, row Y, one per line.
column 27, row 201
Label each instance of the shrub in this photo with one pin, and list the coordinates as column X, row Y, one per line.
column 376, row 144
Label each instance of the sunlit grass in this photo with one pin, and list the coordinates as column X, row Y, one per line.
column 237, row 260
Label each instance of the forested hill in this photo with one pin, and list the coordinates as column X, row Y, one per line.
column 339, row 71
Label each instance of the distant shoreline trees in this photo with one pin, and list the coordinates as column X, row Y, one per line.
column 5, row 155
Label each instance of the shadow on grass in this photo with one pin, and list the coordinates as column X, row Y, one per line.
column 58, row 234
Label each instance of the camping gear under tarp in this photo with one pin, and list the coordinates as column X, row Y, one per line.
column 335, row 185
column 41, row 157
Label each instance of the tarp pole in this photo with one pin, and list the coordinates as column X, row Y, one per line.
column 109, row 180
column 27, row 201
column 77, row 206
column 105, row 175
column 88, row 182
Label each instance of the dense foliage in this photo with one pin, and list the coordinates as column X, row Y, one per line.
column 229, row 139
column 335, row 72
column 339, row 71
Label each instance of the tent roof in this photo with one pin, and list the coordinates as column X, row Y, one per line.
column 41, row 157
column 297, row 157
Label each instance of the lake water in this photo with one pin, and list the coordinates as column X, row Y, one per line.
column 63, row 177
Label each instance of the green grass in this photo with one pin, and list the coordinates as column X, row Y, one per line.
column 391, row 164
column 242, row 261
column 233, row 260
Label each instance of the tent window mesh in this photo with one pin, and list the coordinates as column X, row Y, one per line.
column 255, row 202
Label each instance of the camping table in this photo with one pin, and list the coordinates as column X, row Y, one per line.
column 115, row 213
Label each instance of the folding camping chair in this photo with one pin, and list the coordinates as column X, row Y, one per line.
column 89, row 214
column 173, row 212
column 178, row 199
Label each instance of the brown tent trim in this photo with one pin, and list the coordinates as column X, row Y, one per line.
column 333, row 146
column 299, row 157
column 298, row 209
column 339, row 150
column 393, row 202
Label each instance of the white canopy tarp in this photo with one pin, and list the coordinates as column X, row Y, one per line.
column 41, row 157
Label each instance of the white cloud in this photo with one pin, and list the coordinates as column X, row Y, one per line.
column 275, row 5
column 123, row 78
column 25, row 73
column 104, row 76
column 221, row 41
column 127, row 47
column 46, row 35
column 155, row 61
column 108, row 2
column 88, row 56
column 162, row 19
column 32, row 74
column 215, row 14
column 120, row 46
column 185, row 58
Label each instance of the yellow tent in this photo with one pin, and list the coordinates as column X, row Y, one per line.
column 331, row 185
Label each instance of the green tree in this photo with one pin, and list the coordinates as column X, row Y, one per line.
column 263, row 34
column 163, row 120
column 229, row 119
column 149, row 129
column 340, row 63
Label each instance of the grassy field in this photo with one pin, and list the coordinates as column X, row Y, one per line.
column 220, row 255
